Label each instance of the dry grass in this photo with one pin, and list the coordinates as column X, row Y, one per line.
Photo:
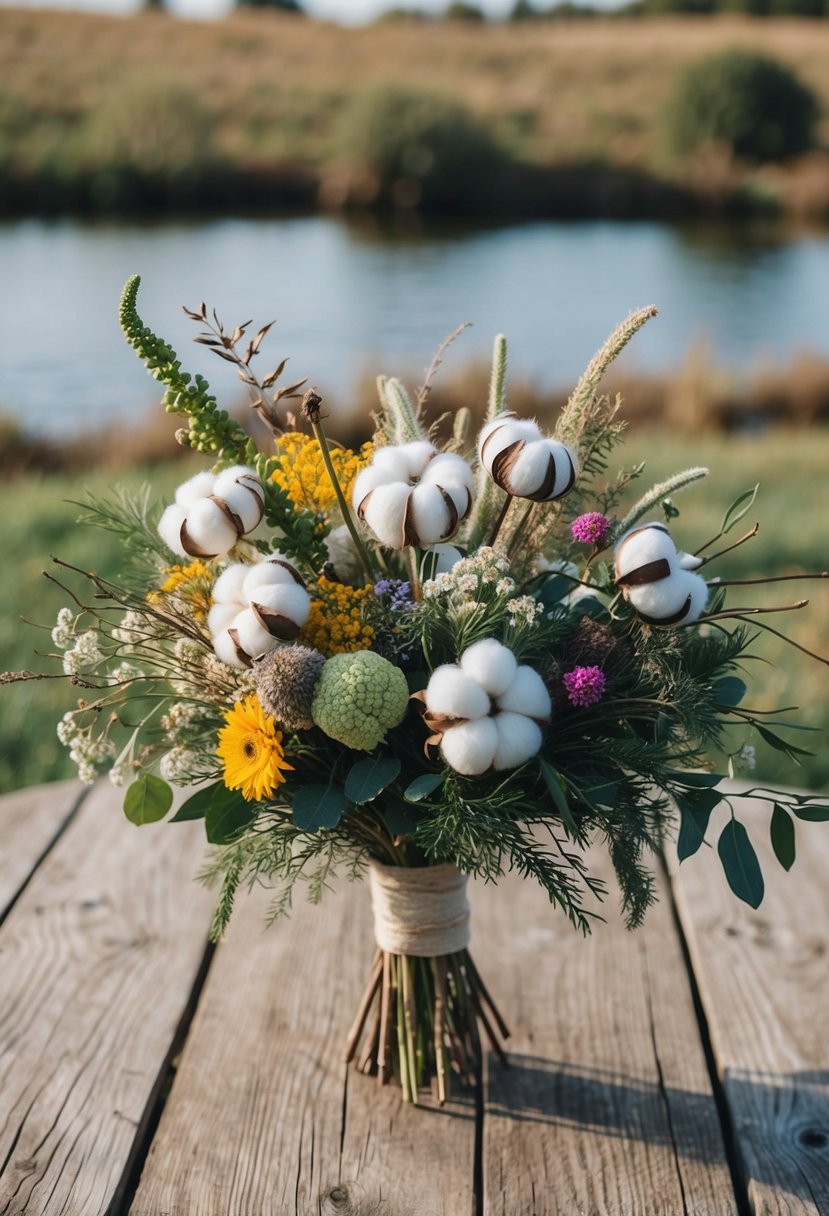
column 266, row 89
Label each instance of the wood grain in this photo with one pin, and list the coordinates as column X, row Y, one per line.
column 98, row 959
column 30, row 820
column 606, row 1107
column 764, row 983
column 263, row 1117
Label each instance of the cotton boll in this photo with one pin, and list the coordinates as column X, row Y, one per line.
column 240, row 489
column 253, row 637
column 391, row 462
column 282, row 610
column 207, row 531
column 447, row 557
column 527, row 694
column 226, row 649
column 416, row 456
column 676, row 600
column 370, row 478
column 271, row 571
column 641, row 546
column 689, row 561
column 200, row 486
column 428, row 515
column 452, row 693
column 227, row 588
column 384, row 510
column 169, row 528
column 501, row 433
column 491, row 665
column 220, row 617
column 470, row 748
column 519, row 739
column 454, row 476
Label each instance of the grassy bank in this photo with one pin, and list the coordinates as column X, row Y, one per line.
column 150, row 112
column 792, row 507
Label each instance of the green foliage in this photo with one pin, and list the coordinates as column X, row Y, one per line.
column 460, row 10
column 281, row 6
column 147, row 800
column 753, row 105
column 423, row 150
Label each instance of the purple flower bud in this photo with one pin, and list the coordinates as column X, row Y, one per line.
column 585, row 686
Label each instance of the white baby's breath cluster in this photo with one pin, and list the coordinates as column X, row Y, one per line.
column 131, row 630
column 86, row 750
column 63, row 633
column 180, row 719
column 180, row 764
column 523, row 610
column 85, row 654
column 466, row 578
column 125, row 672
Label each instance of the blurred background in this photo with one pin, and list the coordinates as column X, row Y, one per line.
column 373, row 176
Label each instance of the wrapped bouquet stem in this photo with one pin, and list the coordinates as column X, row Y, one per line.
column 378, row 660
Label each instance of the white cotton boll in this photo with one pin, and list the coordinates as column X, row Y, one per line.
column 368, row 479
column 491, row 665
column 284, row 610
column 220, row 617
column 447, row 558
column 544, row 470
column 470, row 748
column 243, row 495
column 527, row 694
column 698, row 589
column 253, row 637
column 671, row 601
column 501, row 433
column 451, row 692
column 640, row 546
column 391, row 462
column 448, row 469
column 200, row 486
column 519, row 739
column 226, row 649
column 207, row 530
column 271, row 571
column 689, row 561
column 429, row 515
column 227, row 588
column 169, row 528
column 384, row 511
column 416, row 456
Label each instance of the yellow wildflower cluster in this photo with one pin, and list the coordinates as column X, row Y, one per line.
column 303, row 476
column 337, row 621
column 190, row 586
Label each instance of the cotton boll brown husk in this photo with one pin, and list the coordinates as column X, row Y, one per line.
column 286, row 680
column 240, row 488
column 282, row 610
column 491, row 665
column 453, row 694
column 525, row 463
column 470, row 748
column 528, row 695
column 519, row 738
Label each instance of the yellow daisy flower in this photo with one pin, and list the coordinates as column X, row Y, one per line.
column 250, row 747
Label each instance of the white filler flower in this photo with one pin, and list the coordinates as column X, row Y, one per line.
column 486, row 709
column 524, row 462
column 255, row 608
column 656, row 580
column 211, row 513
column 411, row 494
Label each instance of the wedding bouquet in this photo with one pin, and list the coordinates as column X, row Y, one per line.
column 440, row 655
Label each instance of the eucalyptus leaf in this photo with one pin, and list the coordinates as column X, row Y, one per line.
column 739, row 507
column 227, row 814
column 780, row 745
column 739, row 861
column 782, row 836
column 319, row 806
column 147, row 800
column 812, row 814
column 196, row 805
column 423, row 786
column 400, row 820
column 368, row 778
column 694, row 780
column 729, row 690
column 695, row 808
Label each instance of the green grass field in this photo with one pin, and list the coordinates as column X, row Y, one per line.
column 792, row 509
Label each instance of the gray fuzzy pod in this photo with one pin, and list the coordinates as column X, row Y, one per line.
column 286, row 680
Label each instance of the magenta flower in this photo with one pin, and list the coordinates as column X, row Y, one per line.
column 591, row 529
column 585, row 685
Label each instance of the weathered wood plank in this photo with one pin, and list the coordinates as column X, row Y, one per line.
column 29, row 822
column 98, row 958
column 261, row 1118
column 606, row 1107
column 764, row 983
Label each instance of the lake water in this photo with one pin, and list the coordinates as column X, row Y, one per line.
column 349, row 299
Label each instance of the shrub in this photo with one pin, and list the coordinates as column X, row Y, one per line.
column 459, row 10
column 422, row 150
column 754, row 106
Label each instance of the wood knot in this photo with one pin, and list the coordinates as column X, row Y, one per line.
column 813, row 1137
column 349, row 1199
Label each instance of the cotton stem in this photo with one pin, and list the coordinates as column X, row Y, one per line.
column 348, row 520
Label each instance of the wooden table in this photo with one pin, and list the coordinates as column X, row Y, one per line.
column 682, row 1069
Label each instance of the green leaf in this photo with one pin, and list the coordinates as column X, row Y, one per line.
column 368, row 778
column 695, row 808
column 196, row 804
column 739, row 861
column 423, row 786
column 147, row 800
column 694, row 780
column 227, row 814
column 782, row 836
column 739, row 507
column 319, row 806
column 400, row 820
column 729, row 691
column 812, row 814
column 559, row 796
column 780, row 745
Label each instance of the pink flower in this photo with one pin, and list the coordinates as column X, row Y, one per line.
column 591, row 529
column 585, row 685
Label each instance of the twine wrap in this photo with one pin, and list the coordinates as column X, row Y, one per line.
column 422, row 912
